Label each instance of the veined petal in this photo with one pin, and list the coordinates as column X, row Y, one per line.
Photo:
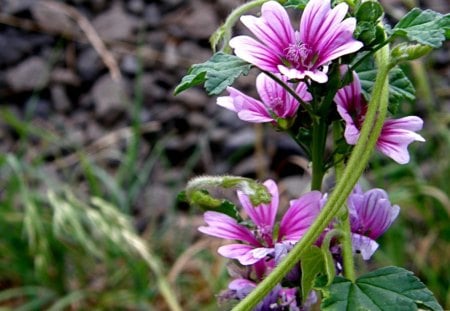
column 223, row 226
column 255, row 53
column 411, row 123
column 247, row 108
column 314, row 14
column 326, row 32
column 350, row 107
column 299, row 217
column 364, row 245
column 326, row 28
column 275, row 97
column 396, row 136
column 273, row 28
column 226, row 102
column 262, row 215
column 253, row 117
column 371, row 213
column 241, row 252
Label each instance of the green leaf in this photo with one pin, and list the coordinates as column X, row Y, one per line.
column 426, row 27
column 217, row 73
column 312, row 264
column 400, row 87
column 386, row 289
column 369, row 11
column 297, row 4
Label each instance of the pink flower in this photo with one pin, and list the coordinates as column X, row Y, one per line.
column 396, row 134
column 324, row 35
column 275, row 102
column 371, row 214
column 258, row 237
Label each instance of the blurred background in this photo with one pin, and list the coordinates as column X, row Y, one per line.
column 94, row 149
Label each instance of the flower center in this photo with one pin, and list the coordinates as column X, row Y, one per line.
column 358, row 112
column 277, row 105
column 264, row 235
column 299, row 54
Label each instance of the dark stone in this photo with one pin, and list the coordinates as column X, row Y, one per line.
column 115, row 24
column 110, row 98
column 29, row 75
column 89, row 64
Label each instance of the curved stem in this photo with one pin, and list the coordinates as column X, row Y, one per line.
column 224, row 31
column 359, row 158
column 346, row 237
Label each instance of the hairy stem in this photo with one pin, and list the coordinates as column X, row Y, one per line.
column 224, row 32
column 347, row 249
column 359, row 158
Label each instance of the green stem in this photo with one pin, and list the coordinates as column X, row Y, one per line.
column 319, row 137
column 224, row 32
column 359, row 158
column 347, row 249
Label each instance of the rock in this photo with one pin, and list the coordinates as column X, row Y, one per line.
column 38, row 107
column 31, row 74
column 16, row 6
column 193, row 53
column 194, row 98
column 198, row 21
column 115, row 24
column 129, row 64
column 295, row 186
column 53, row 20
column 198, row 120
column 239, row 139
column 248, row 167
column 152, row 15
column 171, row 57
column 13, row 46
column 136, row 6
column 64, row 76
column 152, row 91
column 110, row 99
column 61, row 101
column 89, row 64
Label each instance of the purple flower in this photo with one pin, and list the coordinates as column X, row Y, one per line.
column 371, row 214
column 279, row 298
column 396, row 134
column 275, row 102
column 258, row 236
column 323, row 36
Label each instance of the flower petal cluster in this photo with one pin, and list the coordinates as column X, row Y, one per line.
column 257, row 240
column 396, row 134
column 275, row 101
column 324, row 35
column 279, row 298
column 371, row 214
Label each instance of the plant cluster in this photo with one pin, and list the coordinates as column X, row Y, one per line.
column 334, row 77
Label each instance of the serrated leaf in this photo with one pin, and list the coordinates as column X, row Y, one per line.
column 217, row 73
column 385, row 289
column 312, row 264
column 426, row 27
column 400, row 87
